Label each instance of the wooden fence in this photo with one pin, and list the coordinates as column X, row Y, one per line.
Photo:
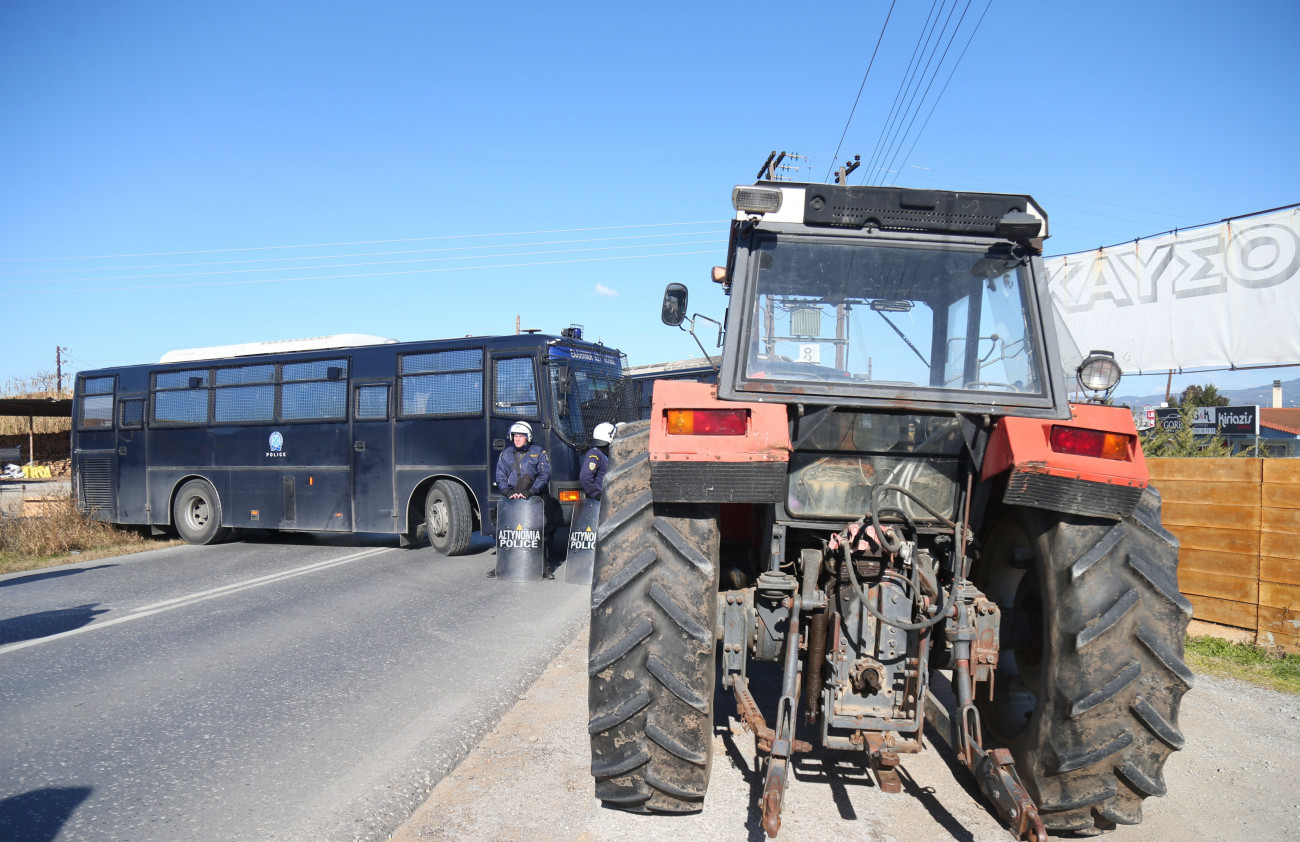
column 1239, row 524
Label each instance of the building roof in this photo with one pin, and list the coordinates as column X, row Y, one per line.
column 42, row 407
column 1283, row 419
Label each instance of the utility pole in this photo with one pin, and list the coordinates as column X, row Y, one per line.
column 58, row 370
column 782, row 171
column 842, row 174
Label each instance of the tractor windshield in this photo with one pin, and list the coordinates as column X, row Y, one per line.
column 891, row 315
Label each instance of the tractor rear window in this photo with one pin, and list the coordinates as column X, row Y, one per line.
column 891, row 317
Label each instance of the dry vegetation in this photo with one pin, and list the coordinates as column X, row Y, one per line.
column 52, row 436
column 59, row 531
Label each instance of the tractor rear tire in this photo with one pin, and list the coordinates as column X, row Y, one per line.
column 651, row 664
column 1087, row 692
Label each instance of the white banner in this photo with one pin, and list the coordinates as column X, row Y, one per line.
column 1219, row 295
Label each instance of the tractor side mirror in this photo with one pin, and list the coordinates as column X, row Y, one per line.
column 673, row 312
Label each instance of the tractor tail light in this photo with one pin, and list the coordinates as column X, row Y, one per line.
column 569, row 496
column 1081, row 442
column 708, row 422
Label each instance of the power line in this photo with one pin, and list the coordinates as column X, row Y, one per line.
column 364, row 253
column 358, row 275
column 353, row 265
column 903, row 137
column 902, row 86
column 836, row 156
column 896, row 138
column 359, row 242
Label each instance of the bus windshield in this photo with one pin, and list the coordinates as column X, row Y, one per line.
column 586, row 388
column 892, row 315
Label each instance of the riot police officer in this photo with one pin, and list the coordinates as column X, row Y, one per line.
column 596, row 460
column 524, row 469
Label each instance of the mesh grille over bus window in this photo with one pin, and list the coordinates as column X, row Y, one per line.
column 372, row 402
column 96, row 407
column 313, row 370
column 244, row 403
column 442, row 383
column 309, row 393
column 313, row 401
column 131, row 414
column 515, row 392
column 180, row 379
column 182, row 407
column 240, row 375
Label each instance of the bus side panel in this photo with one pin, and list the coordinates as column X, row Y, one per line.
column 305, row 485
column 439, row 447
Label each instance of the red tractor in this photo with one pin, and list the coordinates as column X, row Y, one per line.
column 888, row 484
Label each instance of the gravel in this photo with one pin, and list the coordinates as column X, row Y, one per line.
column 528, row 780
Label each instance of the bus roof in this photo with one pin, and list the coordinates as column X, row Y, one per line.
column 274, row 346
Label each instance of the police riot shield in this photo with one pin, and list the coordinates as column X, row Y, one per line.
column 581, row 557
column 521, row 541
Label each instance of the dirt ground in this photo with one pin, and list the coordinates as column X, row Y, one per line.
column 1236, row 780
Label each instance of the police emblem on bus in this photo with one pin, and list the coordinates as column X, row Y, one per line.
column 276, row 443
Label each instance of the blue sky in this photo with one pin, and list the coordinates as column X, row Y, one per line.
column 180, row 175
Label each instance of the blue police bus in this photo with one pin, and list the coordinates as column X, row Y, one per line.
column 336, row 434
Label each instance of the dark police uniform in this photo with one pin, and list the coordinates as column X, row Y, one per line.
column 592, row 473
column 525, row 471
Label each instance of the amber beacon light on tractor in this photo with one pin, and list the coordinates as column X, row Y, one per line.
column 888, row 486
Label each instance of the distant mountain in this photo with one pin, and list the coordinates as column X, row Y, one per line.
column 1259, row 395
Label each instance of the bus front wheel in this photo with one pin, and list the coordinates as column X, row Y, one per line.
column 197, row 513
column 447, row 517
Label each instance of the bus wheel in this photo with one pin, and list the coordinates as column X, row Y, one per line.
column 447, row 517
column 197, row 513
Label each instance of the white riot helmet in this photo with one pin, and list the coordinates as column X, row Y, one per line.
column 603, row 434
column 522, row 427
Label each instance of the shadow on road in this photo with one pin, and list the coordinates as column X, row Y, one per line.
column 39, row 815
column 46, row 623
column 49, row 574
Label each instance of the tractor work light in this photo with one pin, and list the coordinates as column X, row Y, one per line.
column 1099, row 374
column 708, row 422
column 756, row 199
column 1077, row 441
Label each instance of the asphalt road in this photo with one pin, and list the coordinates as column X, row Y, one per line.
column 283, row 688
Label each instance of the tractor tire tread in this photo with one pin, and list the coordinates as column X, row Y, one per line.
column 651, row 665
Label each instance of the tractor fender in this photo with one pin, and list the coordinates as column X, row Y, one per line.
column 1045, row 471
column 747, row 463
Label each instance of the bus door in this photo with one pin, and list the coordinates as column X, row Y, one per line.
column 132, row 463
column 374, row 505
column 514, row 398
column 94, row 459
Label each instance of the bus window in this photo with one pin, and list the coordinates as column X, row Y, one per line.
column 244, row 393
column 442, row 383
column 131, row 414
column 515, row 392
column 96, row 404
column 314, row 391
column 372, row 402
column 181, row 397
